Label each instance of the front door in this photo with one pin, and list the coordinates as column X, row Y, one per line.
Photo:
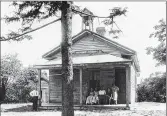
column 94, row 79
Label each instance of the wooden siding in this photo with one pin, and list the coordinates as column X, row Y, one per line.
column 55, row 86
column 106, row 77
column 91, row 43
column 76, row 86
column 85, row 85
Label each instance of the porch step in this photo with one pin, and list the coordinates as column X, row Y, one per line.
column 85, row 107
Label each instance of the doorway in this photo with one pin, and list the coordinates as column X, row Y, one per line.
column 94, row 81
column 120, row 82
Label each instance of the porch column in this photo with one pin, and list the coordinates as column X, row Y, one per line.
column 39, row 86
column 80, row 83
column 127, row 86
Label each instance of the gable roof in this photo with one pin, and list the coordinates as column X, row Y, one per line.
column 109, row 41
column 82, row 33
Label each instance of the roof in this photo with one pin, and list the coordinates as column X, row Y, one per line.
column 74, row 39
column 107, row 58
column 113, row 43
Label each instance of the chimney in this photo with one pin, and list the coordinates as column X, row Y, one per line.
column 101, row 31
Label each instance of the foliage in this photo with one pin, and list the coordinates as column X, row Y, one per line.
column 116, row 11
column 20, row 89
column 153, row 89
column 10, row 68
column 20, row 80
column 159, row 52
column 30, row 12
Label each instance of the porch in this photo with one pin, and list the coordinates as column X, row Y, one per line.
column 88, row 72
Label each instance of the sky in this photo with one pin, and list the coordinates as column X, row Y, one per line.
column 137, row 25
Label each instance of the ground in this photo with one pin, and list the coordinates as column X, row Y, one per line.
column 139, row 109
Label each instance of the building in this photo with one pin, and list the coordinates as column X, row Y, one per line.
column 97, row 61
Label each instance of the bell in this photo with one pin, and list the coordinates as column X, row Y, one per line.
column 87, row 23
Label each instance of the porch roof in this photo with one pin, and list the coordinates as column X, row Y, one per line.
column 95, row 59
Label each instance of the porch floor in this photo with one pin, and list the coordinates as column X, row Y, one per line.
column 52, row 106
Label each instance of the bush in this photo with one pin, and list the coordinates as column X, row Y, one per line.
column 17, row 94
column 152, row 89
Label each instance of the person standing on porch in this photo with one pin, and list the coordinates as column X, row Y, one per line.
column 115, row 90
column 34, row 94
column 102, row 97
column 109, row 96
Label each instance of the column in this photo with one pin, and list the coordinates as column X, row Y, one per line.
column 39, row 86
column 80, row 83
column 127, row 86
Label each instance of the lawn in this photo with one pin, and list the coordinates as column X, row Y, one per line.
column 139, row 109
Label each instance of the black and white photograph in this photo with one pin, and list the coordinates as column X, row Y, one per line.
column 80, row 58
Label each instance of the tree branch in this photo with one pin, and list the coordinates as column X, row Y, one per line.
column 115, row 13
column 14, row 38
column 117, row 26
column 89, row 14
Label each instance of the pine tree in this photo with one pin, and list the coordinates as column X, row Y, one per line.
column 29, row 12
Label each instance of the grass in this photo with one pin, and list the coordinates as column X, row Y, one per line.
column 139, row 109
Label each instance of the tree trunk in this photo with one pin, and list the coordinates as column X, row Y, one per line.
column 1, row 92
column 67, row 66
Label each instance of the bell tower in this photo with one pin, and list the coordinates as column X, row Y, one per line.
column 87, row 20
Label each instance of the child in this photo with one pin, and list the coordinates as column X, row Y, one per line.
column 90, row 97
column 95, row 98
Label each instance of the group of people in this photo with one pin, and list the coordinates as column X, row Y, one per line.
column 102, row 96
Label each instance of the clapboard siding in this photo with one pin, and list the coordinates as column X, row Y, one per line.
column 106, row 77
column 55, row 86
column 85, row 85
column 76, row 86
column 90, row 43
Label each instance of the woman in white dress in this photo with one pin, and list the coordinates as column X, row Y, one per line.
column 115, row 90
